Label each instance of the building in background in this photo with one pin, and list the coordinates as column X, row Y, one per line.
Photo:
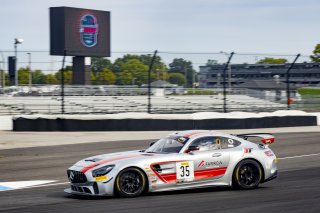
column 302, row 74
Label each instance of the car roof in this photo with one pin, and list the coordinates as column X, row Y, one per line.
column 198, row 133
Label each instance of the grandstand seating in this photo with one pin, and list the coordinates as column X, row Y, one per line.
column 117, row 104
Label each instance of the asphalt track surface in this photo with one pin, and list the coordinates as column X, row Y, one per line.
column 297, row 189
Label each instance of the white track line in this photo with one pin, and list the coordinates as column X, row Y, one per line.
column 50, row 184
column 299, row 156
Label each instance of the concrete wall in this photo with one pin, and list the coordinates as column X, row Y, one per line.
column 6, row 123
column 147, row 124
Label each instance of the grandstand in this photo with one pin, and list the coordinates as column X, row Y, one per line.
column 118, row 104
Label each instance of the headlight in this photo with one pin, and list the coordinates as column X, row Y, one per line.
column 102, row 171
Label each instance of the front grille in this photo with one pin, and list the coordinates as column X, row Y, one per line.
column 76, row 177
column 81, row 189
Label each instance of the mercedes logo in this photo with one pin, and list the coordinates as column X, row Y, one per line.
column 71, row 176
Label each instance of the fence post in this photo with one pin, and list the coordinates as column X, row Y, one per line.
column 224, row 83
column 62, row 82
column 149, row 80
column 288, row 81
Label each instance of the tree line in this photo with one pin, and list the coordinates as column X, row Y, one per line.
column 133, row 70
column 127, row 70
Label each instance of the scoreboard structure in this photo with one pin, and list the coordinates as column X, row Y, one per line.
column 80, row 33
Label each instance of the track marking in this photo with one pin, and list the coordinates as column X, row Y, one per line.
column 6, row 186
column 50, row 184
column 9, row 186
column 299, row 156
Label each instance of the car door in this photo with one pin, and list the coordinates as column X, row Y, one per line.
column 207, row 163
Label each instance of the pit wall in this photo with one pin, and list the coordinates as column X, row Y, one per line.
column 158, row 122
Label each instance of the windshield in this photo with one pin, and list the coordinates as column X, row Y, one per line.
column 168, row 145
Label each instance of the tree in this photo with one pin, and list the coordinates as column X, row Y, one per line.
column 268, row 60
column 67, row 76
column 38, row 77
column 23, row 76
column 51, row 79
column 119, row 62
column 139, row 72
column 179, row 65
column 316, row 54
column 125, row 78
column 144, row 59
column 177, row 78
column 106, row 77
column 99, row 64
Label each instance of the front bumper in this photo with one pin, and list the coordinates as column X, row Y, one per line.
column 72, row 192
column 85, row 184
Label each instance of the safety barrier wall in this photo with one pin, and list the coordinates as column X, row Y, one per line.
column 6, row 123
column 136, row 124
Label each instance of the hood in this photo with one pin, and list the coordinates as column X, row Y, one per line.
column 94, row 161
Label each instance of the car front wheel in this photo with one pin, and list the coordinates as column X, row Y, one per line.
column 130, row 182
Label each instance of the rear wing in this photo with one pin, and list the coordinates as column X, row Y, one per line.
column 266, row 138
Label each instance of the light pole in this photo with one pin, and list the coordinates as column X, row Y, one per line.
column 229, row 70
column 3, row 76
column 16, row 42
column 30, row 73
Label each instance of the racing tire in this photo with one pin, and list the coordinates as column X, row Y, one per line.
column 247, row 175
column 130, row 182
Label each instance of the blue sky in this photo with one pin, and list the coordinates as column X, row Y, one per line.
column 243, row 26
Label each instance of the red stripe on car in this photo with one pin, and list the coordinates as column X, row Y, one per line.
column 194, row 133
column 105, row 161
column 209, row 173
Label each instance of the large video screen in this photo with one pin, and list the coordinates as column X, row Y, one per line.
column 79, row 32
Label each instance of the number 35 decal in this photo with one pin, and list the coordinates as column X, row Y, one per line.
column 185, row 171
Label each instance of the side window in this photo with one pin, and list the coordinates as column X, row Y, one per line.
column 227, row 143
column 206, row 143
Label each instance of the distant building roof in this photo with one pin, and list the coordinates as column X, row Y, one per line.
column 161, row 84
column 263, row 84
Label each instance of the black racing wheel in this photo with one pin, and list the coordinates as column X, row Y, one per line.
column 247, row 175
column 130, row 182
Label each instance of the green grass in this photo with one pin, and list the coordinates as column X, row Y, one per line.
column 200, row 92
column 309, row 92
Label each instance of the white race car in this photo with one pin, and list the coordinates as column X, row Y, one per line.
column 182, row 160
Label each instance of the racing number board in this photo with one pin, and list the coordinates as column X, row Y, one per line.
column 185, row 171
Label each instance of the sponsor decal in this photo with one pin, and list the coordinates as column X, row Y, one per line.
column 247, row 150
column 269, row 153
column 181, row 140
column 218, row 141
column 184, row 171
column 230, row 141
column 101, row 178
column 89, row 30
column 209, row 164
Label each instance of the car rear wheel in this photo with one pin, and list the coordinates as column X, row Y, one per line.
column 130, row 182
column 247, row 175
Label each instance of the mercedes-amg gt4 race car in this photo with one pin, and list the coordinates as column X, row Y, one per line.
column 182, row 160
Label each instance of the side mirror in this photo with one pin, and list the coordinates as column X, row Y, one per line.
column 192, row 149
